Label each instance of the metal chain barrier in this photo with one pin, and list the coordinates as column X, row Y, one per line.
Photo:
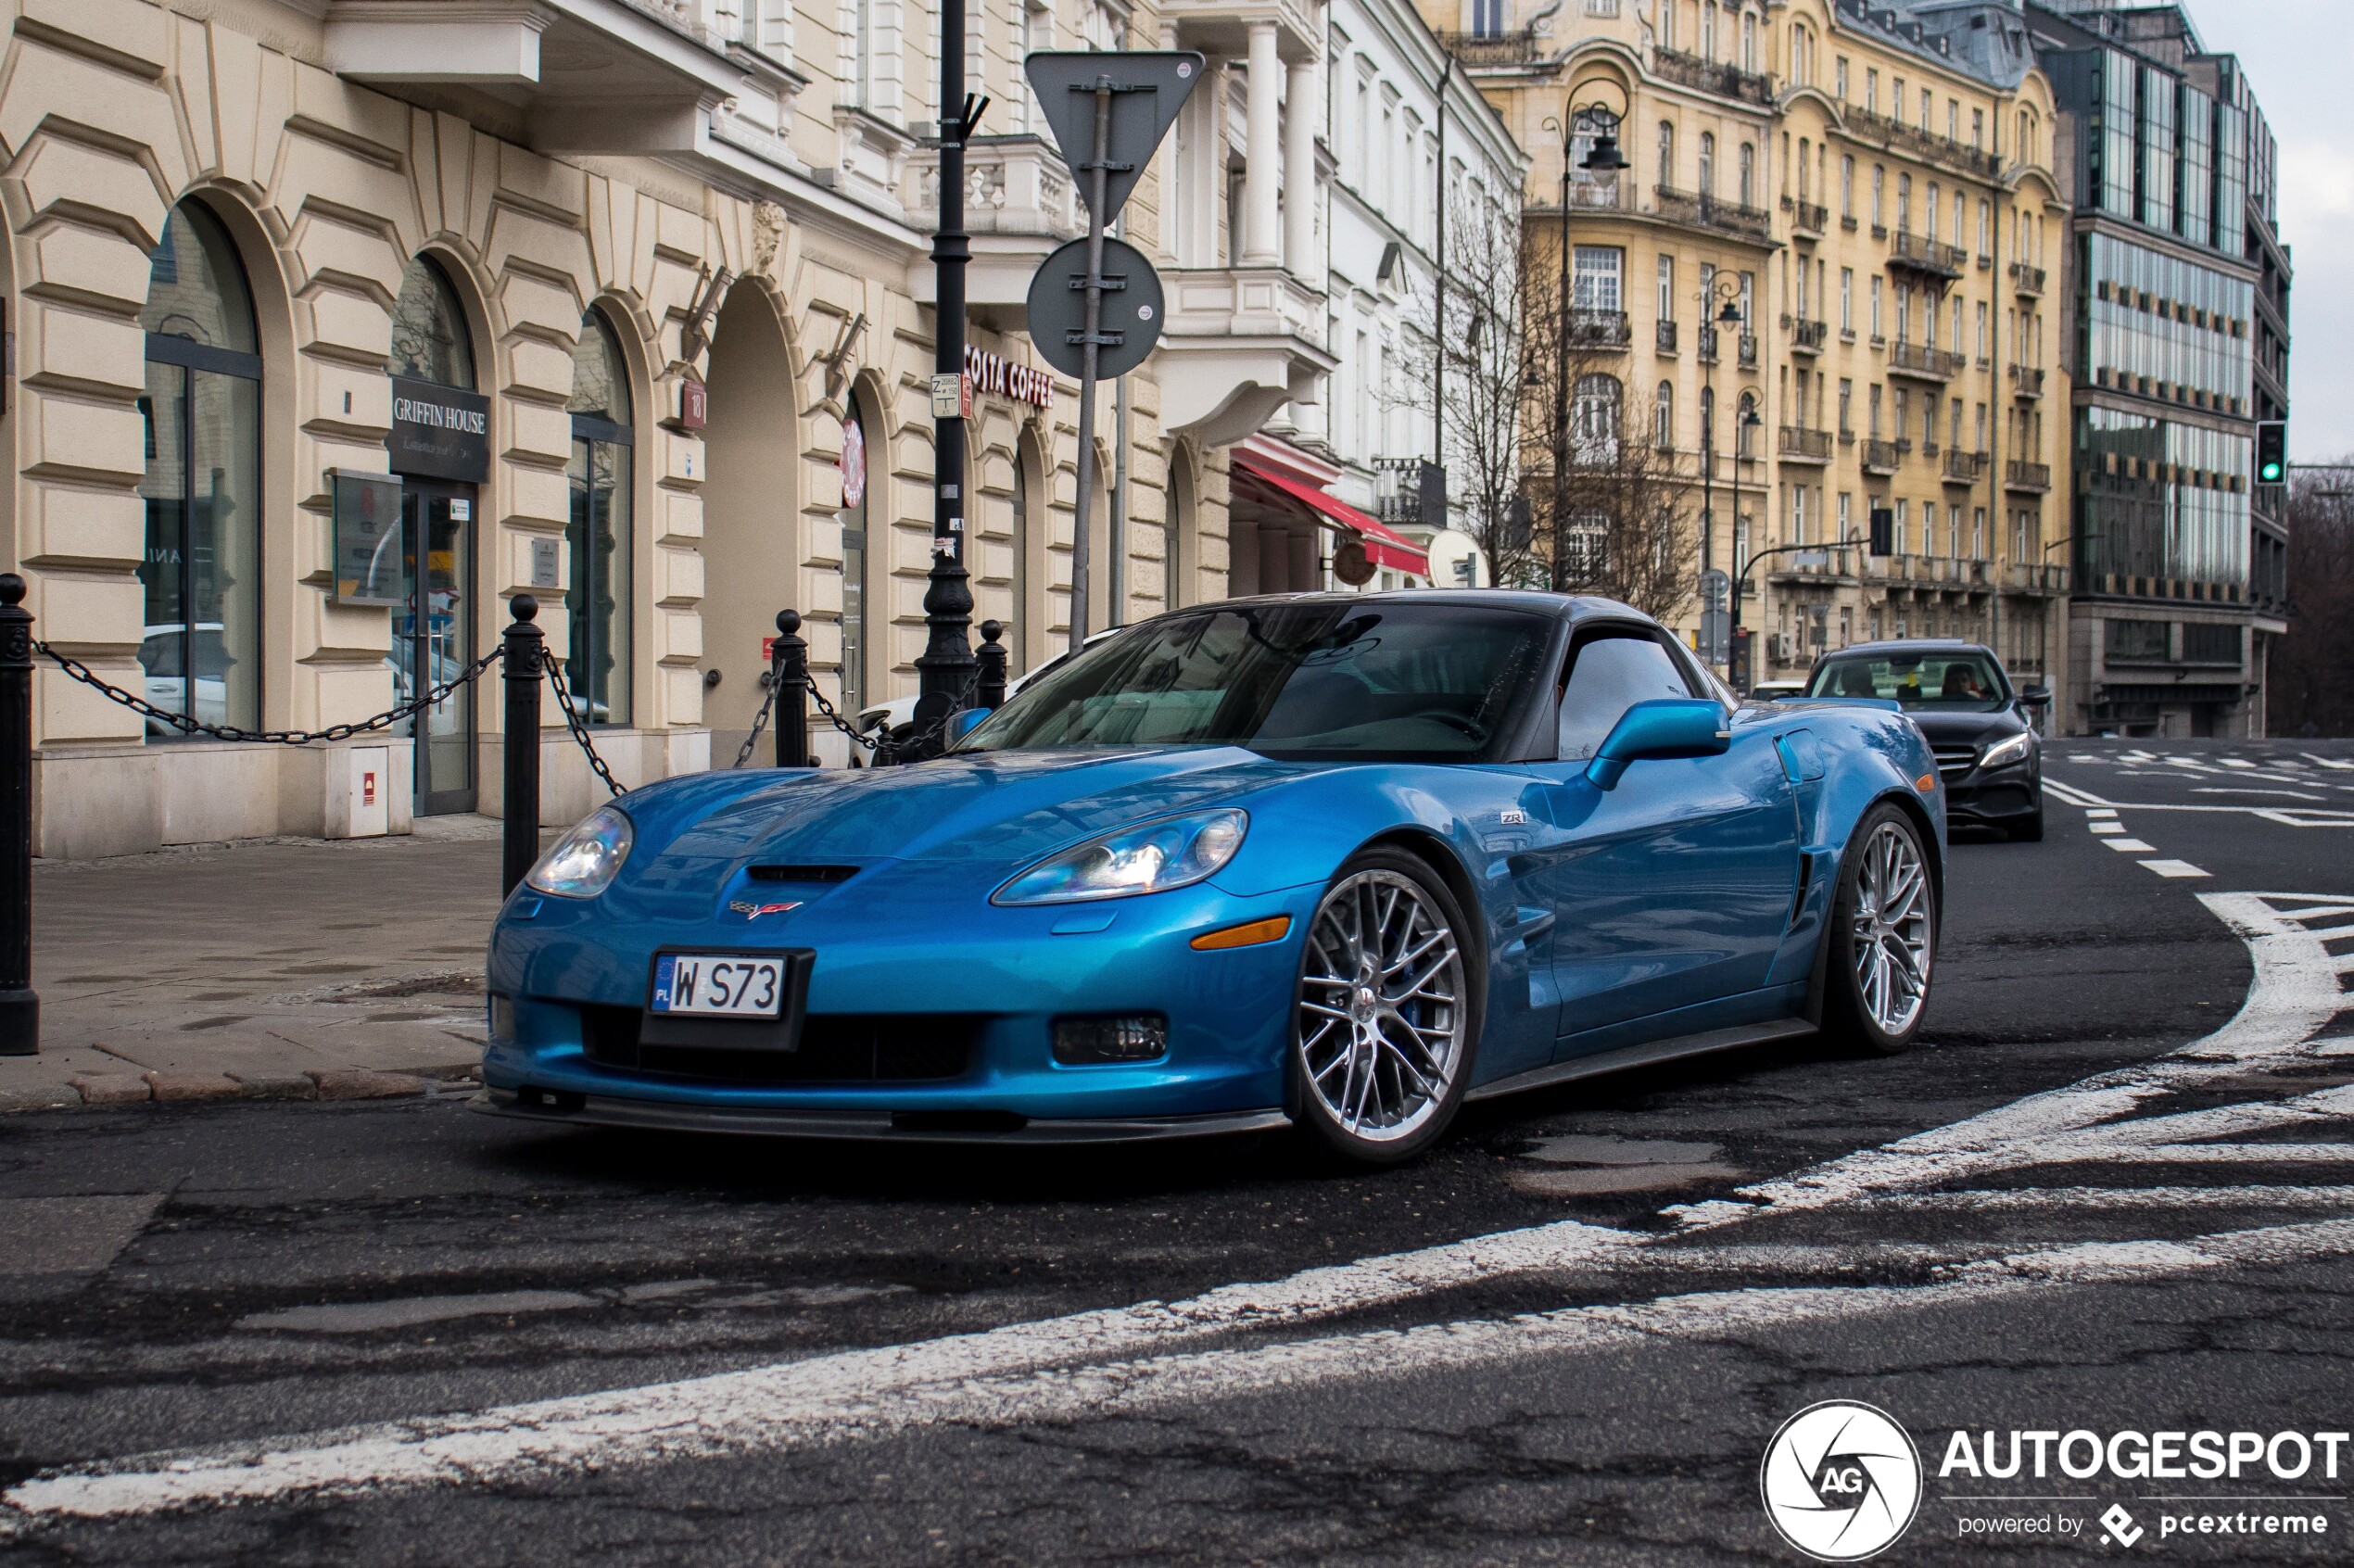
column 759, row 723
column 579, row 728
column 187, row 726
column 840, row 723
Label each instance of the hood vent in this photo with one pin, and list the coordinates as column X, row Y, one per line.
column 803, row 873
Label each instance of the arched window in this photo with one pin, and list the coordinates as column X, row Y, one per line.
column 201, row 579
column 857, row 470
column 1748, row 40
column 1749, row 175
column 1594, row 420
column 1847, row 187
column 1708, row 419
column 429, row 337
column 1743, row 441
column 1667, row 154
column 599, row 536
column 1708, row 163
column 1664, row 416
column 1805, row 170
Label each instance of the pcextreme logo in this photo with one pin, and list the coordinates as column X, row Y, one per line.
column 1840, row 1481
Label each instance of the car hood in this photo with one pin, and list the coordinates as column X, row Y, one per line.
column 1950, row 728
column 990, row 810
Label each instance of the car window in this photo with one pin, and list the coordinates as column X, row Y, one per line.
column 1609, row 675
column 1958, row 680
column 1384, row 679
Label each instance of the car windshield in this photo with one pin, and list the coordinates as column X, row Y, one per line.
column 1371, row 680
column 1955, row 679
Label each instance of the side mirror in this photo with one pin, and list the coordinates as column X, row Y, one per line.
column 963, row 722
column 2036, row 696
column 1667, row 726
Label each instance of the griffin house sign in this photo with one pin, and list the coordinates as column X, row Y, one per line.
column 440, row 432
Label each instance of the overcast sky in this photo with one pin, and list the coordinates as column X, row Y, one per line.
column 2299, row 56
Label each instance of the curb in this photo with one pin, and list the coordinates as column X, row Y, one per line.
column 90, row 1090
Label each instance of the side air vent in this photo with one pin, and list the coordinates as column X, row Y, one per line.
column 803, row 873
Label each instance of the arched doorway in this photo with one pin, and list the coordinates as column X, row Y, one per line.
column 750, row 514
column 860, row 544
column 1180, row 533
column 201, row 577
column 440, row 447
column 599, row 536
column 1027, row 646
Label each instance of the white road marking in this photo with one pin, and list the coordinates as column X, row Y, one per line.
column 2101, row 810
column 2130, row 846
column 2242, row 789
column 2237, row 762
column 2339, row 763
column 2067, row 794
column 2106, row 825
column 764, row 1412
column 2172, row 867
column 2073, row 1200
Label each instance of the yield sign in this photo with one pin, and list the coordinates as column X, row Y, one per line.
column 1143, row 90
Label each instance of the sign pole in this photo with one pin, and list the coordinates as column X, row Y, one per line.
column 1097, row 166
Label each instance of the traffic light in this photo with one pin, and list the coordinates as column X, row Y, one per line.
column 2271, row 451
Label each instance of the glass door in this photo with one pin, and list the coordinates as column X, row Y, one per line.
column 433, row 640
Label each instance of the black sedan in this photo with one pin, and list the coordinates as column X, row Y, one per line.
column 1980, row 725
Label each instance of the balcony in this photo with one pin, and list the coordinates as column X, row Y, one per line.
column 1806, row 337
column 1705, row 346
column 2027, row 279
column 1598, row 329
column 1664, row 337
column 1748, row 350
column 1588, row 193
column 1881, row 457
column 1479, row 49
column 1964, row 468
column 1708, row 76
column 1241, row 343
column 1920, row 361
column 1894, row 135
column 1806, row 217
column 2035, row 578
column 2026, row 381
column 1019, row 203
column 1921, row 254
column 1802, row 445
column 2018, row 475
column 1708, row 212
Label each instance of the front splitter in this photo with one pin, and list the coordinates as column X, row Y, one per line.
column 932, row 1126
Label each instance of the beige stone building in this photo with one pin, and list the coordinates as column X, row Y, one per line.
column 1872, row 192
column 632, row 299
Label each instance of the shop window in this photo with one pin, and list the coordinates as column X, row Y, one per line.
column 599, row 536
column 429, row 337
column 855, row 465
column 201, row 577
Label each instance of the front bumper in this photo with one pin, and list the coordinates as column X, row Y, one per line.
column 899, row 1126
column 930, row 967
column 1998, row 797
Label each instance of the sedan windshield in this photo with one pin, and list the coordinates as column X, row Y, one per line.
column 1954, row 680
column 1370, row 680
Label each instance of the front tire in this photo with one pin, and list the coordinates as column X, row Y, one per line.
column 1883, row 937
column 2031, row 830
column 1385, row 1016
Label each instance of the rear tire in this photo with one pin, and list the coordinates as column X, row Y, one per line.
column 1386, row 1013
column 1882, row 936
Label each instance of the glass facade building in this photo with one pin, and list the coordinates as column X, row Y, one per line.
column 2161, row 327
column 2161, row 499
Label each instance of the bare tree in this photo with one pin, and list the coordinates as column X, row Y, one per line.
column 2311, row 682
column 1622, row 509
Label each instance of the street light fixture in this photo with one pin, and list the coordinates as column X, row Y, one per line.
column 1601, row 158
column 1724, row 292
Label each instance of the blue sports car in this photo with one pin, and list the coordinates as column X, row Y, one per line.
column 1333, row 861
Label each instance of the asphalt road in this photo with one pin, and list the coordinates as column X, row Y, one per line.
column 791, row 1347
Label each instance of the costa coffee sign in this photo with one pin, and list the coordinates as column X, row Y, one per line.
column 994, row 374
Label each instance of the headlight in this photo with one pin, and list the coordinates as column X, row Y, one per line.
column 1174, row 853
column 584, row 861
column 2009, row 750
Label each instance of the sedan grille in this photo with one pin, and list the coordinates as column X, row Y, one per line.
column 835, row 1048
column 1955, row 761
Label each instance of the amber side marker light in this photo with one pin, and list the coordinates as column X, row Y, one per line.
column 1925, row 783
column 1251, row 933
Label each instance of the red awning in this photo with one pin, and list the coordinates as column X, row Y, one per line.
column 1384, row 545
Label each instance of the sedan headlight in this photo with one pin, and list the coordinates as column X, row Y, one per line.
column 584, row 861
column 2004, row 752
column 1152, row 857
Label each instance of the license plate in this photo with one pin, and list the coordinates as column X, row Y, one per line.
column 720, row 985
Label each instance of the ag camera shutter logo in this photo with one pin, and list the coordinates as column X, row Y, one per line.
column 1842, row 1481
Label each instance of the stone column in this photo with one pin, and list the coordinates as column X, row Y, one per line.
column 1260, row 242
column 1299, row 170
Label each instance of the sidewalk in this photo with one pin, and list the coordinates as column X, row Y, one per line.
column 273, row 968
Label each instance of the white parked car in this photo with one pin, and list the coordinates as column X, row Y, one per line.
column 163, row 655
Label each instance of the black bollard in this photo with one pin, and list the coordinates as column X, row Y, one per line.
column 20, row 1009
column 989, row 691
column 790, row 673
column 523, row 648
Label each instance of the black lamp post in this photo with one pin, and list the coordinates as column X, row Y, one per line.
column 1602, row 157
column 1727, row 291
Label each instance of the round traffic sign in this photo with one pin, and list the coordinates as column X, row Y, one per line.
column 1133, row 309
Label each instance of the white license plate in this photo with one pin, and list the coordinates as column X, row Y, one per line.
column 720, row 985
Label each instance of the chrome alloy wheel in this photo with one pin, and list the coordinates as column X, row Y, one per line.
column 1381, row 1017
column 1892, row 941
